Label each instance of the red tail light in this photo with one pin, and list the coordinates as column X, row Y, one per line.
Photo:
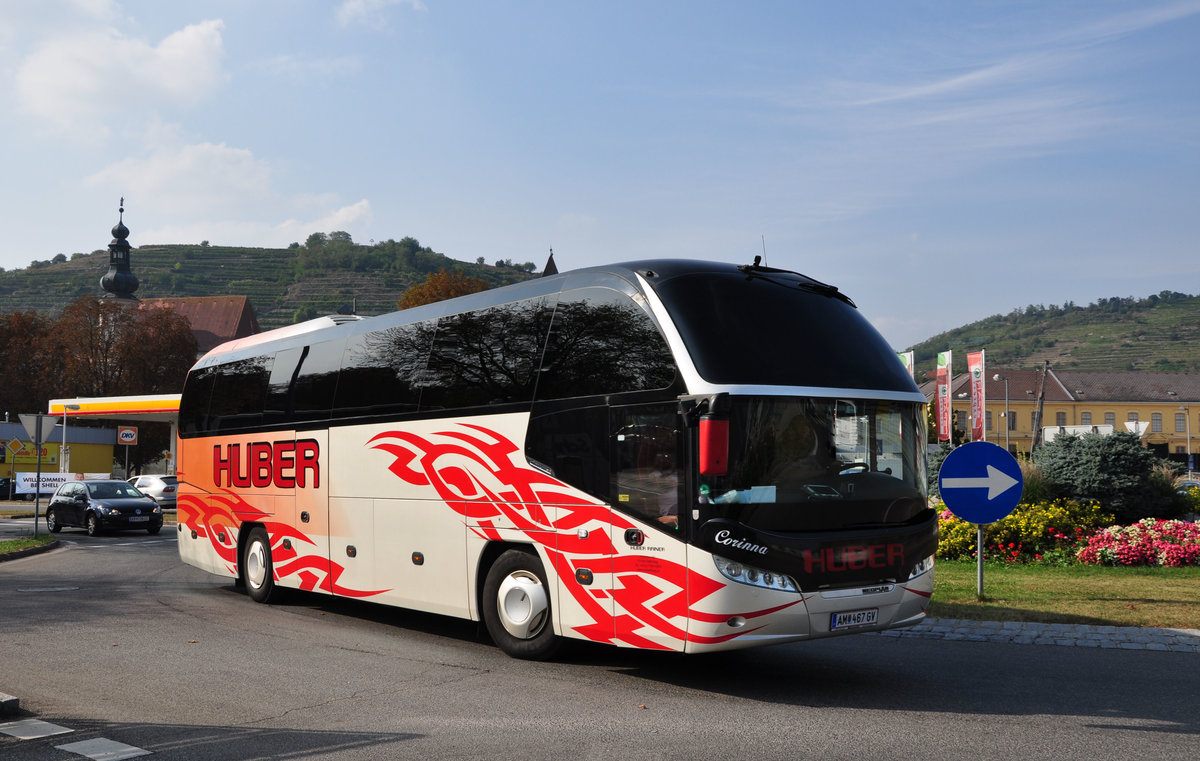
column 714, row 447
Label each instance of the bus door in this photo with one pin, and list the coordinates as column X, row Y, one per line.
column 650, row 578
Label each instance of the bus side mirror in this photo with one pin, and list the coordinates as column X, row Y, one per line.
column 714, row 446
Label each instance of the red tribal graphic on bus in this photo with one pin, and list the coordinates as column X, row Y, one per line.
column 480, row 475
column 217, row 518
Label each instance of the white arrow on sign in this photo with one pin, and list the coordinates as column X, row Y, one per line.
column 997, row 482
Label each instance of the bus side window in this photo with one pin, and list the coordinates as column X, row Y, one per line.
column 602, row 342
column 240, row 394
column 646, row 474
column 277, row 408
column 313, row 389
column 381, row 371
column 193, row 407
column 572, row 445
column 487, row 358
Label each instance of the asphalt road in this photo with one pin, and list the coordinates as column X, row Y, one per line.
column 115, row 640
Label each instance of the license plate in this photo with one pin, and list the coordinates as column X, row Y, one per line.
column 138, row 518
column 852, row 618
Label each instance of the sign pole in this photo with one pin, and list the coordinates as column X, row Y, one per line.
column 979, row 559
column 37, row 489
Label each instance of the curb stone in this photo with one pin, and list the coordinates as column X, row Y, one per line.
column 1059, row 635
column 18, row 554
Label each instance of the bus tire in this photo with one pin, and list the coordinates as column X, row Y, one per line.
column 257, row 570
column 516, row 607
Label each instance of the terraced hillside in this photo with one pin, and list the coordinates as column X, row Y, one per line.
column 268, row 276
column 1159, row 333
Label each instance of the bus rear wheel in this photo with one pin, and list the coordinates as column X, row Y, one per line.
column 257, row 569
column 516, row 607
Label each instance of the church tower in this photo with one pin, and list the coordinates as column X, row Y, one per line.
column 119, row 282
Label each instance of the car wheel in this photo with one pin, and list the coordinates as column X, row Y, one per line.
column 52, row 523
column 93, row 524
column 257, row 569
column 516, row 607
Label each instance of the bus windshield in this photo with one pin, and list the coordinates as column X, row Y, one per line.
column 806, row 464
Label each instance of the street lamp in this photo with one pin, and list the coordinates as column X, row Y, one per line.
column 999, row 377
column 1187, row 419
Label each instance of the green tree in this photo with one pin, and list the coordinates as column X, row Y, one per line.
column 27, row 379
column 440, row 286
column 102, row 348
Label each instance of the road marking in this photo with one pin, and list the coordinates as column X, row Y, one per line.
column 103, row 749
column 31, row 729
column 97, row 749
column 43, row 590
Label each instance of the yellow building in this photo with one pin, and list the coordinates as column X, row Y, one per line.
column 1163, row 407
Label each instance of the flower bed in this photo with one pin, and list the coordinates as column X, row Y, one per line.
column 1048, row 532
column 1151, row 541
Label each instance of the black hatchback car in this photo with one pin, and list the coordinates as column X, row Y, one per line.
column 102, row 505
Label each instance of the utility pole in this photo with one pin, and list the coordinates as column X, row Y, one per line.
column 1041, row 401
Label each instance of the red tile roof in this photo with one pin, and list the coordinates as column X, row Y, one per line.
column 214, row 319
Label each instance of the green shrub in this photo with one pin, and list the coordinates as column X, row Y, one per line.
column 1115, row 470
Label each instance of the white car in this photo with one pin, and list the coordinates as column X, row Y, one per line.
column 161, row 489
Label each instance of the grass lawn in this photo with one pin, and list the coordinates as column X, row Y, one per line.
column 1078, row 594
column 15, row 545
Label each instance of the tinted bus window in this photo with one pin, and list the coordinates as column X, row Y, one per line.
column 193, row 406
column 769, row 330
column 239, row 394
column 601, row 342
column 277, row 408
column 572, row 446
column 313, row 389
column 381, row 371
column 488, row 357
column 646, row 476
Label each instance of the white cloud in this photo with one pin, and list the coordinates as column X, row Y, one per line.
column 80, row 80
column 193, row 179
column 214, row 192
column 371, row 13
column 350, row 218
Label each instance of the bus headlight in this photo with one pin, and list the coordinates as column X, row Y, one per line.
column 925, row 566
column 754, row 577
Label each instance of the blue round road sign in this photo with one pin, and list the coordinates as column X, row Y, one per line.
column 980, row 482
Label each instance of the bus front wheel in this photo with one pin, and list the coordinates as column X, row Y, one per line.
column 516, row 607
column 257, row 570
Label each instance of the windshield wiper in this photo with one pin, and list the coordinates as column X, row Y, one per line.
column 758, row 271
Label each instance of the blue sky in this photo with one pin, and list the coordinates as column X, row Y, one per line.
column 939, row 161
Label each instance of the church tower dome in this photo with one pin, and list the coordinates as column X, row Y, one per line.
column 119, row 282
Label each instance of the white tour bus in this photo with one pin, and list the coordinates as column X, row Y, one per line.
column 671, row 454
